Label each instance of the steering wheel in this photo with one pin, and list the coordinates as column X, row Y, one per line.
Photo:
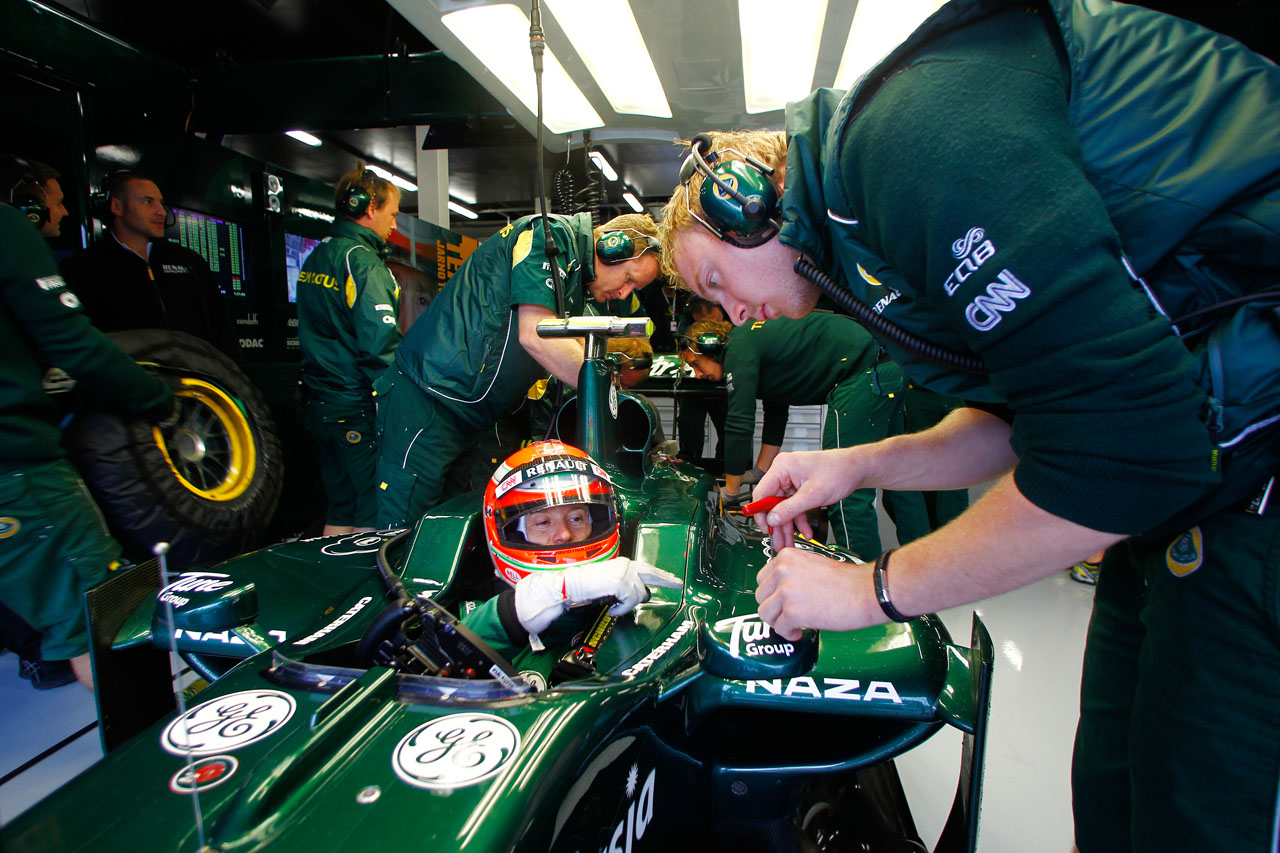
column 419, row 637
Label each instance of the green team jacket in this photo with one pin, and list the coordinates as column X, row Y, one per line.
column 41, row 324
column 347, row 301
column 786, row 363
column 1013, row 184
column 465, row 349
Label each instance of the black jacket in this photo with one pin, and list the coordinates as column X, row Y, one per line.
column 173, row 289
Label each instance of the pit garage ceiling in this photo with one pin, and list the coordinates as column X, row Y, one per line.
column 696, row 48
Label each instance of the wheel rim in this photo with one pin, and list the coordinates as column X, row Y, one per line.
column 210, row 448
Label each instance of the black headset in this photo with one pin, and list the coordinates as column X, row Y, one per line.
column 25, row 193
column 738, row 199
column 618, row 247
column 355, row 201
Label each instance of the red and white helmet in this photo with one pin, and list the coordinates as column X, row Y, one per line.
column 544, row 475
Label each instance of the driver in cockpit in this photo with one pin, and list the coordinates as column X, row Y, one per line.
column 551, row 522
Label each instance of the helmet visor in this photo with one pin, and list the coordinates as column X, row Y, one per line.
column 555, row 511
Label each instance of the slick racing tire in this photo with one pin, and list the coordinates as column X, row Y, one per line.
column 208, row 481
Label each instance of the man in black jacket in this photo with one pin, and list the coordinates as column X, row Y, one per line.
column 136, row 279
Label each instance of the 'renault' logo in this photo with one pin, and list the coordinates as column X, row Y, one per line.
column 1185, row 555
column 9, row 526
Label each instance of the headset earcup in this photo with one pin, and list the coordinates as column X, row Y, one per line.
column 356, row 202
column 615, row 247
column 733, row 218
column 32, row 208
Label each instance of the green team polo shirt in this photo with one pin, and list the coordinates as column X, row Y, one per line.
column 783, row 363
column 465, row 350
column 963, row 185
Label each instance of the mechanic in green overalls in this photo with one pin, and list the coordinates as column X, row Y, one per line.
column 551, row 523
column 54, row 543
column 347, row 332
column 1069, row 212
column 821, row 359
column 474, row 354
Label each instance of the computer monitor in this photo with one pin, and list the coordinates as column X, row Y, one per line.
column 296, row 250
column 220, row 242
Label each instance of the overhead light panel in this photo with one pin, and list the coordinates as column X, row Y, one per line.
column 403, row 184
column 303, row 136
column 605, row 167
column 462, row 211
column 878, row 27
column 774, row 76
column 605, row 34
column 630, row 198
column 498, row 36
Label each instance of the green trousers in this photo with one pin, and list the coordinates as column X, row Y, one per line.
column 425, row 454
column 348, row 453
column 1178, row 745
column 54, row 546
column 860, row 410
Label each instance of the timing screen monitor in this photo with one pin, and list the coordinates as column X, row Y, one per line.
column 296, row 250
column 220, row 243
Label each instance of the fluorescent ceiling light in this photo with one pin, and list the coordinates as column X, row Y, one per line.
column 878, row 27
column 124, row 155
column 303, row 136
column 630, row 198
column 462, row 211
column 606, row 36
column 779, row 50
column 498, row 36
column 603, row 165
column 393, row 178
column 311, row 214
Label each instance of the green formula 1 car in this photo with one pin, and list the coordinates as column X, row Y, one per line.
column 350, row 710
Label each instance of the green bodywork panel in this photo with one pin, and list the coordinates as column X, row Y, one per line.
column 297, row 749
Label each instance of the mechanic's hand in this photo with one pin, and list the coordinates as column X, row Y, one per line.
column 543, row 596
column 752, row 477
column 806, row 480
column 803, row 589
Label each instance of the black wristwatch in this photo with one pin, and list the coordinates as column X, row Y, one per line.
column 882, row 589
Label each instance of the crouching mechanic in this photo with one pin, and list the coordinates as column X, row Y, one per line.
column 474, row 354
column 820, row 359
column 347, row 331
column 551, row 522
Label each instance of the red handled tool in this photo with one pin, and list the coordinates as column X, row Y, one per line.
column 762, row 505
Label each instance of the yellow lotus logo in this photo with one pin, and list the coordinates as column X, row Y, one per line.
column 1185, row 554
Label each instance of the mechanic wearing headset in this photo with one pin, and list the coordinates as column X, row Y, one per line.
column 347, row 332
column 43, row 577
column 39, row 196
column 1030, row 187
column 820, row 359
column 473, row 355
column 551, row 523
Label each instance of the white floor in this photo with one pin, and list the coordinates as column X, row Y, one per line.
column 1038, row 634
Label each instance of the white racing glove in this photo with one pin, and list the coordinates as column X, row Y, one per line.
column 543, row 597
